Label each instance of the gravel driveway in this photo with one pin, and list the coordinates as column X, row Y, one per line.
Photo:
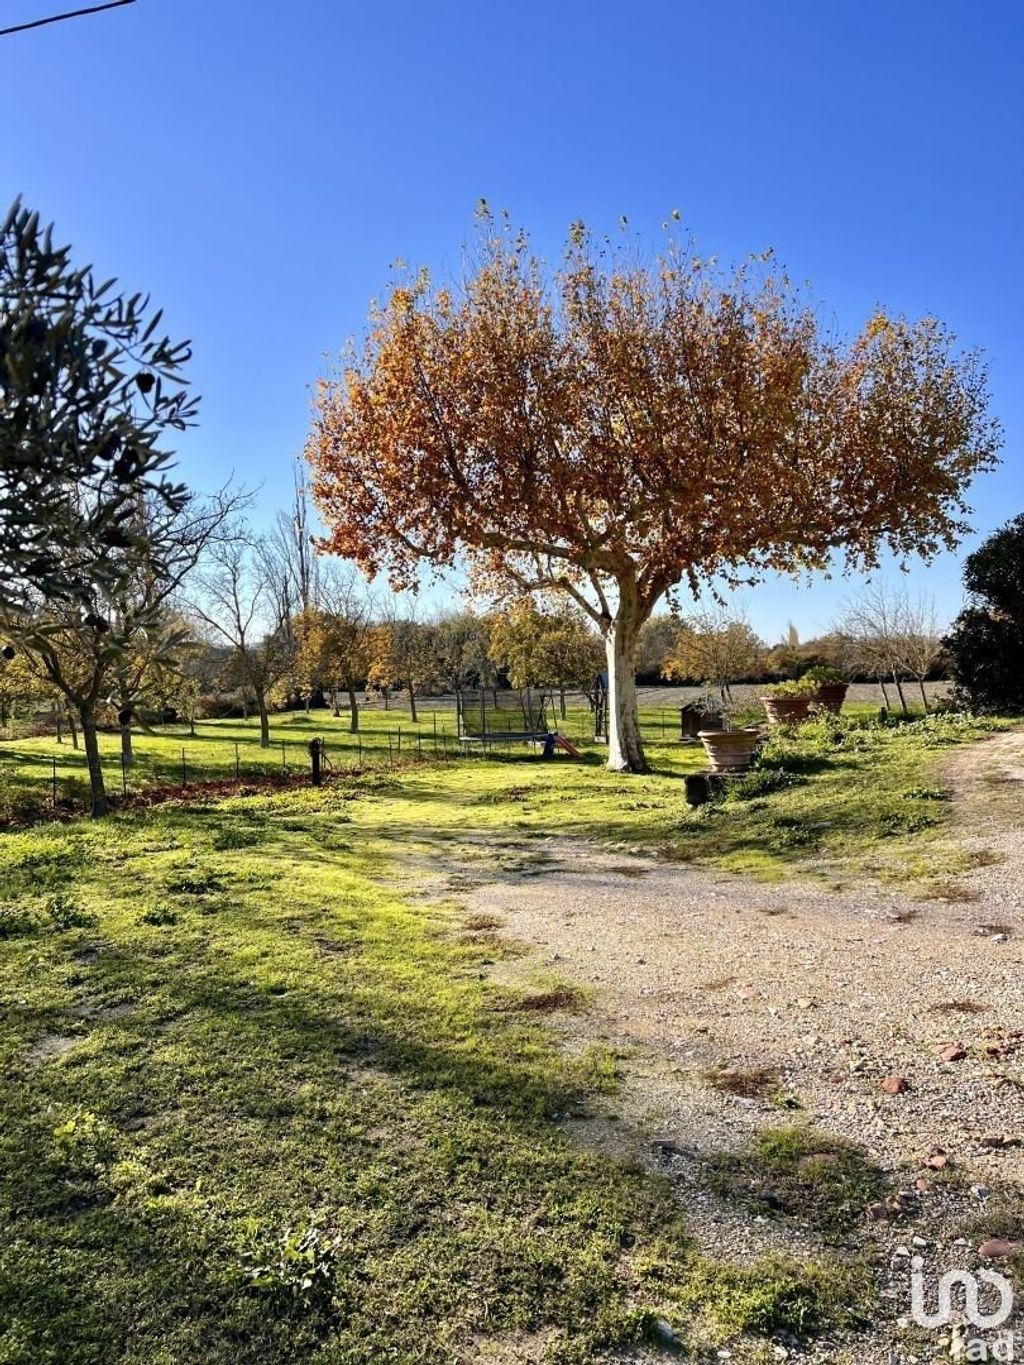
column 737, row 1006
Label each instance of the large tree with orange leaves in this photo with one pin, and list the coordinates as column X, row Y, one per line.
column 611, row 429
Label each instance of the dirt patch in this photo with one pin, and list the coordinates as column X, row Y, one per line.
column 548, row 1002
column 52, row 1045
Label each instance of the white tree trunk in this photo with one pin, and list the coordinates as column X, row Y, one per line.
column 625, row 748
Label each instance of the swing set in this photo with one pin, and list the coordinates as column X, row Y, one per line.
column 490, row 718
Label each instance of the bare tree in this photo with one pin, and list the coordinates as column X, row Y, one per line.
column 920, row 643
column 333, row 639
column 875, row 621
column 236, row 600
column 292, row 570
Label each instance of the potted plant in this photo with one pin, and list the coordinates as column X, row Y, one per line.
column 831, row 684
column 703, row 713
column 788, row 703
column 730, row 751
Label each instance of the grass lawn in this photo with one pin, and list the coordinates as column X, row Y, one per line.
column 226, row 748
column 838, row 801
column 260, row 1107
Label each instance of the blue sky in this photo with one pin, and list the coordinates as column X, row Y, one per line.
column 256, row 166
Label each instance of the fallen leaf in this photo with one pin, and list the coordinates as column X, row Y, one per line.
column 952, row 1052
column 895, row 1085
column 998, row 1246
column 935, row 1159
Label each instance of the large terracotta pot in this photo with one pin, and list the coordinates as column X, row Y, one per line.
column 786, row 710
column 730, row 751
column 830, row 696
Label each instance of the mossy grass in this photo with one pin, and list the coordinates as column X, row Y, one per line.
column 795, row 1171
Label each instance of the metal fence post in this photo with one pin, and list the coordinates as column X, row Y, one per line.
column 238, row 762
column 53, row 789
column 124, row 777
column 284, row 761
column 184, row 769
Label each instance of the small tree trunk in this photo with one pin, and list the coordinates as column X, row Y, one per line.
column 899, row 690
column 387, row 699
column 127, row 752
column 92, row 754
column 561, row 702
column 261, row 702
column 59, row 721
column 353, row 710
column 73, row 728
column 625, row 747
column 924, row 695
column 412, row 705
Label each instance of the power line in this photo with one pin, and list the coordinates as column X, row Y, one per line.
column 72, row 14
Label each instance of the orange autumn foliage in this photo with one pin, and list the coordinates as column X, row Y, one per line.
column 610, row 429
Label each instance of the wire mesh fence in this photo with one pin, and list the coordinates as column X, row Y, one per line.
column 37, row 773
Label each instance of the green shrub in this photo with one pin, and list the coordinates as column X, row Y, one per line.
column 66, row 913
column 762, row 782
column 794, row 687
column 822, row 675
column 300, row 1266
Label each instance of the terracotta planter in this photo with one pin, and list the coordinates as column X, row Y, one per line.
column 730, row 751
column 830, row 696
column 786, row 710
